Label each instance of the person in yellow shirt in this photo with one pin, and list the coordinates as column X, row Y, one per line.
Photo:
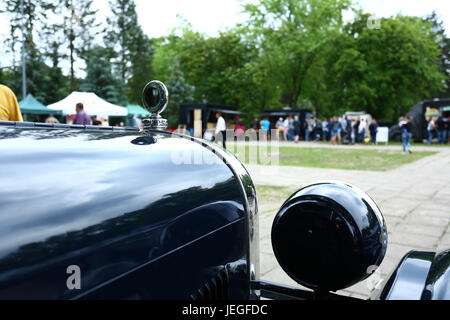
column 9, row 107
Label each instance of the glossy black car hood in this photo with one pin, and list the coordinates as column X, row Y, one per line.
column 66, row 193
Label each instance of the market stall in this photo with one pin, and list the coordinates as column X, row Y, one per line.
column 33, row 110
column 93, row 105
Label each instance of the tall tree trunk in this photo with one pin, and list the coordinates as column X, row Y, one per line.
column 72, row 72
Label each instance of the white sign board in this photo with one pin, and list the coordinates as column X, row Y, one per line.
column 383, row 135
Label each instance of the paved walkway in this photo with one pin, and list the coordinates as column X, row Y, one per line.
column 414, row 199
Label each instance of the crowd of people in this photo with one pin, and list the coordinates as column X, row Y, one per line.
column 342, row 130
column 339, row 130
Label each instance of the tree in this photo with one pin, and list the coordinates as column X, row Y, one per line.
column 79, row 28
column 132, row 49
column 166, row 53
column 45, row 83
column 386, row 71
column 124, row 35
column 100, row 79
column 141, row 67
column 54, row 85
column 180, row 92
column 220, row 68
column 6, row 76
column 33, row 19
column 291, row 35
column 438, row 31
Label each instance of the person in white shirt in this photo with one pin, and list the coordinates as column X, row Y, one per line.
column 285, row 128
column 221, row 129
column 430, row 128
column 362, row 129
column 137, row 122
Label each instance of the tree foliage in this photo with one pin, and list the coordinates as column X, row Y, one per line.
column 292, row 34
column 123, row 33
column 180, row 92
column 222, row 69
column 438, row 31
column 100, row 79
column 385, row 71
column 78, row 28
column 132, row 49
column 289, row 53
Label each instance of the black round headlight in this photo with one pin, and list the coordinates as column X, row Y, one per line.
column 329, row 236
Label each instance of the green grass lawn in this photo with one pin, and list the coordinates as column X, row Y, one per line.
column 271, row 198
column 399, row 144
column 350, row 159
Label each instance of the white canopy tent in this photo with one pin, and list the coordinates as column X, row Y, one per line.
column 93, row 105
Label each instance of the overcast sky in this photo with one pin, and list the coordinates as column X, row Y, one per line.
column 158, row 17
column 209, row 16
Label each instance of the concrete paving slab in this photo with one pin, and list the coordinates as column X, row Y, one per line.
column 265, row 226
column 265, row 245
column 278, row 275
column 417, row 241
column 445, row 241
column 434, row 208
column 362, row 288
column 433, row 231
column 397, row 252
column 268, row 262
column 387, row 210
column 388, row 265
column 419, row 218
column 442, row 247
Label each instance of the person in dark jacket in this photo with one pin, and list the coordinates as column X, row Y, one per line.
column 349, row 130
column 441, row 126
column 355, row 130
column 407, row 134
column 329, row 125
column 373, row 128
column 335, row 130
column 255, row 124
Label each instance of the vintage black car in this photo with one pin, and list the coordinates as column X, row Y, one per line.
column 113, row 213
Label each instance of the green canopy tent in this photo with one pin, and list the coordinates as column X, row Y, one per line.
column 135, row 110
column 30, row 106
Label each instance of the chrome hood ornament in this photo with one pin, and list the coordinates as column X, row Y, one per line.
column 155, row 98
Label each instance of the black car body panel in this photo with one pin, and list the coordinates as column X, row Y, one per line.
column 142, row 216
column 419, row 276
column 437, row 286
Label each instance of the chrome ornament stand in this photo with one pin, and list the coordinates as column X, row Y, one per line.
column 155, row 98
